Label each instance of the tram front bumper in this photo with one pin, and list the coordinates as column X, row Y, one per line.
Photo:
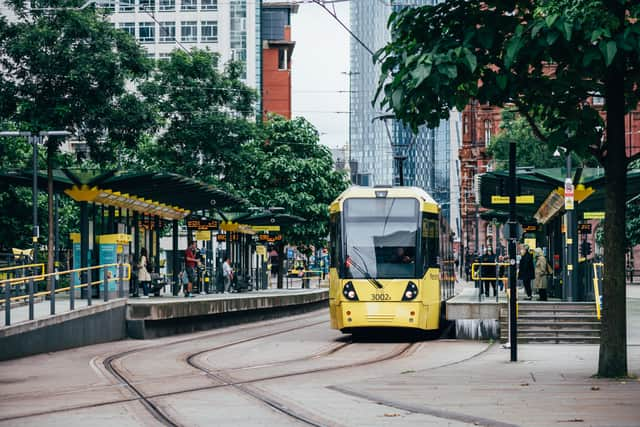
column 381, row 314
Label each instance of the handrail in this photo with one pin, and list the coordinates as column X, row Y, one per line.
column 596, row 290
column 20, row 267
column 33, row 279
column 474, row 272
column 41, row 277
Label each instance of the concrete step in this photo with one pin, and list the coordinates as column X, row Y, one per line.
column 534, row 333
column 559, row 318
column 563, row 340
column 555, row 325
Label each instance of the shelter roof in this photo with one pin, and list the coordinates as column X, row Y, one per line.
column 547, row 187
column 164, row 194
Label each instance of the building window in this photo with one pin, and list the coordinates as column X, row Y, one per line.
column 147, row 5
column 127, row 5
column 108, row 5
column 128, row 27
column 283, row 59
column 167, row 5
column 487, row 132
column 209, row 5
column 189, row 5
column 164, row 56
column 209, row 31
column 167, row 32
column 147, row 32
column 189, row 31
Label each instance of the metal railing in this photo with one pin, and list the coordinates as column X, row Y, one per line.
column 51, row 293
column 598, row 268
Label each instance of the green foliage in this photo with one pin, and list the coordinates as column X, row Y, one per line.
column 439, row 54
column 68, row 70
column 531, row 150
column 207, row 115
column 286, row 167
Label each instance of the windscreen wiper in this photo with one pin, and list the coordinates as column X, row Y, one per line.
column 364, row 272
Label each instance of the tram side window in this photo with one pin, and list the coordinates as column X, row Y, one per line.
column 430, row 241
column 335, row 239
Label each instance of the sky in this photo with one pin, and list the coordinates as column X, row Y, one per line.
column 320, row 57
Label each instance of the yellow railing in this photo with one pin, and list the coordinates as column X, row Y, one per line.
column 596, row 288
column 13, row 268
column 42, row 277
column 474, row 270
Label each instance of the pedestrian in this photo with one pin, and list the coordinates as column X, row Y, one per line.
column 227, row 273
column 543, row 270
column 143, row 274
column 190, row 262
column 526, row 271
column 502, row 273
column 488, row 270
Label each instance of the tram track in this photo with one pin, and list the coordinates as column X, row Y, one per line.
column 223, row 377
column 275, row 402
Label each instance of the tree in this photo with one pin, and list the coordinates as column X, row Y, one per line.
column 67, row 69
column 547, row 59
column 515, row 128
column 208, row 114
column 287, row 167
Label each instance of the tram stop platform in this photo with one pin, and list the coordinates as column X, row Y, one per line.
column 143, row 318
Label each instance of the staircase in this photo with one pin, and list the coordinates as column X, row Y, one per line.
column 553, row 323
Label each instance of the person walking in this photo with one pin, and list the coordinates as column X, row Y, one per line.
column 543, row 270
column 143, row 274
column 526, row 271
column 488, row 271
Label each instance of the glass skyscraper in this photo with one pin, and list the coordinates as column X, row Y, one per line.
column 375, row 139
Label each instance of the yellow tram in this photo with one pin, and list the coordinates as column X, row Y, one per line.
column 391, row 259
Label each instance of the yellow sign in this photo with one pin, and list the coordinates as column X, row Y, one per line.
column 265, row 227
column 521, row 200
column 229, row 226
column 594, row 215
column 203, row 235
column 261, row 250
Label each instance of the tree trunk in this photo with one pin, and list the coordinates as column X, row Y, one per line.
column 51, row 239
column 613, row 341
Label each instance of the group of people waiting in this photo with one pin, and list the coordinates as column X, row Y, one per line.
column 533, row 266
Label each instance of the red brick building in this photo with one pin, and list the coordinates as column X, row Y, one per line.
column 277, row 49
column 480, row 123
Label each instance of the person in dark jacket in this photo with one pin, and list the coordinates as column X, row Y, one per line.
column 526, row 271
column 489, row 271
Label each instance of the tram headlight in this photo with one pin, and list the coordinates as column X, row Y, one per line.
column 411, row 292
column 349, row 292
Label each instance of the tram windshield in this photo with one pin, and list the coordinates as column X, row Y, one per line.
column 381, row 238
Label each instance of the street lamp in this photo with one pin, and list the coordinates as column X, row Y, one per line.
column 570, row 274
column 34, row 140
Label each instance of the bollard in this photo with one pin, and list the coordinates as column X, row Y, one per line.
column 7, row 303
column 120, row 281
column 52, row 297
column 87, row 275
column 72, row 296
column 31, row 316
column 105, row 280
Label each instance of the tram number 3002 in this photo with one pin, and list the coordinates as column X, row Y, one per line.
column 380, row 297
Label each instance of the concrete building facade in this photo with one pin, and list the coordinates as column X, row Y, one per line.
column 374, row 140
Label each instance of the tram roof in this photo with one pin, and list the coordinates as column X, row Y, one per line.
column 356, row 191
